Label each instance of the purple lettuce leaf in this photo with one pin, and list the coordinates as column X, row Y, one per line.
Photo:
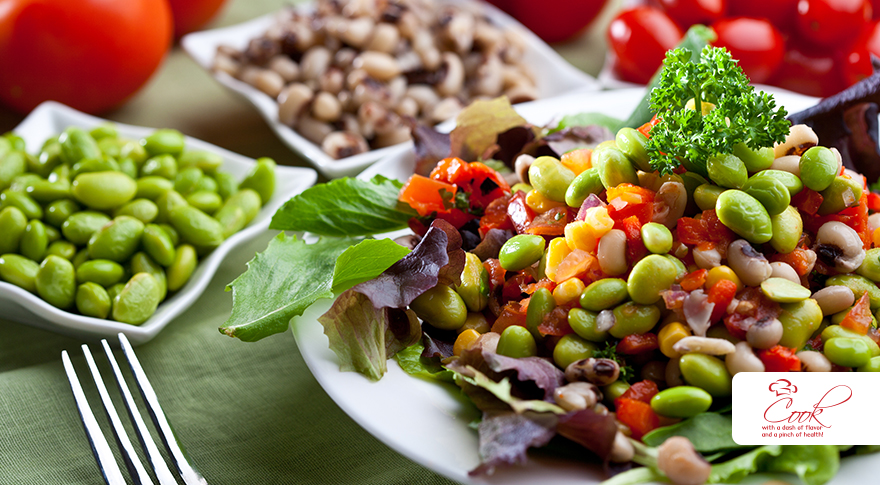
column 545, row 375
column 491, row 244
column 574, row 137
column 431, row 146
column 506, row 436
column 589, row 429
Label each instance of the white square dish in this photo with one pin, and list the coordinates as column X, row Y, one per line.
column 17, row 304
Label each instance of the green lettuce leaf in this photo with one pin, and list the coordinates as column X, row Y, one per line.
column 501, row 390
column 636, row 476
column 587, row 119
column 477, row 127
column 411, row 361
column 814, row 464
column 345, row 207
column 738, row 468
column 280, row 283
column 364, row 261
column 709, row 432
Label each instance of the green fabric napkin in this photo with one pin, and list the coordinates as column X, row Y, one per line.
column 247, row 413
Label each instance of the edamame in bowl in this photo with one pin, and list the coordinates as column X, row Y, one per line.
column 108, row 228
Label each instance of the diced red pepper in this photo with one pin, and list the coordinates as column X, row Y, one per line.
column 874, row 201
column 520, row 214
column 425, row 195
column 511, row 314
column 627, row 200
column 482, row 183
column 716, row 230
column 641, row 391
column 855, row 217
column 495, row 216
column 780, row 359
column 638, row 344
column 859, row 317
column 550, row 223
column 635, row 247
column 514, row 287
column 694, row 280
column 691, row 231
column 496, row 273
column 637, row 415
column 456, row 217
column 556, row 323
column 807, row 201
column 799, row 259
column 646, row 128
column 721, row 294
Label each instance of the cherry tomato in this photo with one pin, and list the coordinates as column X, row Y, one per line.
column 875, row 8
column 808, row 71
column 689, row 12
column 755, row 42
column 640, row 38
column 832, row 22
column 780, row 13
column 90, row 54
column 855, row 64
column 189, row 15
column 871, row 38
column 552, row 20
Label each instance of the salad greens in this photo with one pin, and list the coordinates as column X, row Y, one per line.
column 708, row 432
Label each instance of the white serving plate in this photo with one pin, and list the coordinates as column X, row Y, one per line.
column 429, row 423
column 553, row 76
column 17, row 304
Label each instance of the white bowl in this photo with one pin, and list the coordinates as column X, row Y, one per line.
column 553, row 76
column 17, row 304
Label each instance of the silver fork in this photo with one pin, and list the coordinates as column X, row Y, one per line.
column 103, row 453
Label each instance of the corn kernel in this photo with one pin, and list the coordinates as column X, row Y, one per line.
column 705, row 106
column 475, row 321
column 539, row 203
column 557, row 250
column 598, row 221
column 577, row 160
column 876, row 237
column 722, row 272
column 568, row 290
column 669, row 335
column 464, row 340
column 579, row 235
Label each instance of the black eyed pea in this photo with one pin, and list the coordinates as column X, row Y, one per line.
column 474, row 288
column 755, row 160
column 56, row 282
column 572, row 348
column 207, row 162
column 34, row 241
column 441, row 307
column 743, row 359
column 166, row 203
column 517, row 342
column 586, row 324
column 681, row 402
column 144, row 210
column 785, row 271
column 79, row 227
column 540, row 304
column 799, row 320
column 19, row 271
column 65, row 249
column 614, row 168
column 833, row 299
column 195, row 227
column 840, row 246
column 770, row 192
column 103, row 190
column 847, row 352
column 612, row 253
column 657, row 238
column 262, row 179
column 706, row 372
column 764, row 334
column 727, row 171
column 748, row 263
column 677, row 460
column 153, row 187
column 653, row 274
column 158, row 244
column 164, row 141
column 842, row 193
column 632, row 143
column 77, row 144
column 586, row 183
column 812, row 361
column 27, row 205
column 603, row 294
column 550, row 178
column 858, row 285
column 58, row 211
column 632, row 318
column 92, row 300
column 187, row 179
column 164, row 166
column 818, row 167
column 182, row 267
column 744, row 215
column 521, row 251
column 227, row 185
column 117, row 240
column 137, row 300
column 142, row 263
column 12, row 225
column 205, row 201
column 870, row 267
column 787, row 229
column 101, row 271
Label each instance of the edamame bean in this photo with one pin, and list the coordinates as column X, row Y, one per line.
column 870, row 267
column 166, row 203
column 103, row 190
column 207, row 162
column 44, row 191
column 101, row 271
column 614, row 390
column 836, row 331
column 873, row 365
column 651, row 275
column 116, row 240
column 205, row 201
column 226, row 184
column 727, row 171
column 540, row 304
column 12, row 225
column 657, row 238
column 56, row 283
column 770, row 192
column 631, row 143
column 238, row 211
column 790, row 180
column 262, row 179
column 12, row 165
column 79, row 227
column 58, row 211
column 19, row 271
column 755, row 160
column 80, row 257
column 572, row 348
column 142, row 263
column 52, row 234
column 586, row 183
column 164, row 141
column 744, row 215
column 34, row 241
column 90, row 165
column 474, row 288
column 187, row 179
column 65, row 249
column 160, row 166
column 137, row 301
column 632, row 318
column 603, row 294
column 842, row 193
column 172, row 233
column 585, row 324
column 787, row 229
column 158, row 244
column 23, row 202
column 152, row 187
column 102, row 131
column 144, row 210
column 182, row 267
column 848, row 352
column 818, row 168
column 196, row 227
column 707, row 373
column 549, row 177
column 517, row 342
column 614, row 168
column 441, row 307
column 706, row 196
column 92, row 300
column 799, row 320
column 782, row 290
column 76, row 145
column 681, row 402
column 521, row 251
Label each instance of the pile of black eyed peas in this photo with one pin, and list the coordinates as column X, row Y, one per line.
column 108, row 226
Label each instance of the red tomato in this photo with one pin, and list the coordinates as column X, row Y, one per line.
column 855, row 64
column 552, row 20
column 90, row 54
column 638, row 415
column 755, row 42
column 780, row 13
column 808, row 71
column 871, row 38
column 189, row 15
column 689, row 12
column 832, row 22
column 640, row 38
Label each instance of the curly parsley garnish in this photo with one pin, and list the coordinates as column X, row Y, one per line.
column 610, row 352
column 735, row 113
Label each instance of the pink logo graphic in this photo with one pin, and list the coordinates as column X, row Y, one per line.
column 783, row 387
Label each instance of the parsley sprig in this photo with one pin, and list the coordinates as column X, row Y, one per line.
column 610, row 352
column 738, row 114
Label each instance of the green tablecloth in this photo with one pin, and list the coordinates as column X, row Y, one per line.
column 247, row 412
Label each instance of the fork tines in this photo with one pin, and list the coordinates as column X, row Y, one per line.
column 102, row 450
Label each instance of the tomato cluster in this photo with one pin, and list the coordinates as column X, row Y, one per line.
column 814, row 47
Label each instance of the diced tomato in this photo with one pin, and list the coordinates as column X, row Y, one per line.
column 425, row 195
column 874, row 334
column 627, row 200
column 637, row 415
column 780, row 359
column 578, row 160
column 855, row 217
column 816, row 343
column 691, row 231
column 482, row 183
column 635, row 247
column 520, row 214
column 496, row 273
column 545, row 282
column 807, row 201
column 646, row 128
column 716, row 231
column 511, row 314
column 638, row 344
column 556, row 323
column 874, row 201
column 495, row 216
column 641, row 391
column 694, row 280
column 721, row 294
column 550, row 223
column 859, row 317
column 753, row 306
column 799, row 259
column 514, row 287
column 456, row 217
